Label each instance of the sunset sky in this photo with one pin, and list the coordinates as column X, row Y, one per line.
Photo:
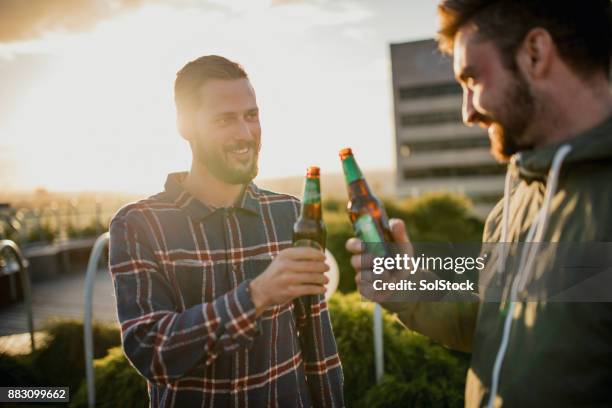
column 86, row 86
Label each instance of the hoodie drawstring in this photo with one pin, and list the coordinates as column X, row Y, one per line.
column 528, row 254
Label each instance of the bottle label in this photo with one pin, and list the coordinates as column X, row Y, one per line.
column 365, row 229
column 308, row 243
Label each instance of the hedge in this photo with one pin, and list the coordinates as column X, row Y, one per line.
column 61, row 360
column 420, row 372
column 117, row 384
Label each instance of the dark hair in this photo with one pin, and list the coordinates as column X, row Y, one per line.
column 197, row 72
column 581, row 29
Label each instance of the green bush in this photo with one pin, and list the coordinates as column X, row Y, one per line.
column 15, row 372
column 439, row 217
column 424, row 373
column 118, row 384
column 61, row 360
column 94, row 228
column 42, row 233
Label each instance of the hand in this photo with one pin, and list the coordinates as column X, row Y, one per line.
column 293, row 273
column 362, row 262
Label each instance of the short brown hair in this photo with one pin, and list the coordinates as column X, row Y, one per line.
column 197, row 72
column 581, row 29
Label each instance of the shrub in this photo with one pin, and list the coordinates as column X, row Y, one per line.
column 15, row 372
column 424, row 373
column 118, row 384
column 61, row 360
column 42, row 233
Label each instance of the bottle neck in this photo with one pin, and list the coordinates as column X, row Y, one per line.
column 311, row 200
column 351, row 170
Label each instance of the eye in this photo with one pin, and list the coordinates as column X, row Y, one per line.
column 252, row 116
column 223, row 121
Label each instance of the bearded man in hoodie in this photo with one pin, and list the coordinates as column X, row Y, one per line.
column 536, row 75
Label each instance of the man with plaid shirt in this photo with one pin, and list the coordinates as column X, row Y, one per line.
column 210, row 293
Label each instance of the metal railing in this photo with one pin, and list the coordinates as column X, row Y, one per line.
column 92, row 268
column 22, row 269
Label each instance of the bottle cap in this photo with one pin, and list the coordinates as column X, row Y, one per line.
column 346, row 152
column 313, row 171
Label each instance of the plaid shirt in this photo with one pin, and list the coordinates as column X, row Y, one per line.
column 181, row 272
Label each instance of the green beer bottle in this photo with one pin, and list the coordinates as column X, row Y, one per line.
column 366, row 212
column 309, row 229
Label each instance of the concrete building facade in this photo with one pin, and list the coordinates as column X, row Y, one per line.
column 435, row 151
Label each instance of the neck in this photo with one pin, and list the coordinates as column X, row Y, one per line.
column 209, row 189
column 574, row 109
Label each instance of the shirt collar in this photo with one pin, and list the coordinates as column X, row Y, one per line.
column 175, row 192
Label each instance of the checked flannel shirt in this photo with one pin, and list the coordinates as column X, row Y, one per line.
column 181, row 271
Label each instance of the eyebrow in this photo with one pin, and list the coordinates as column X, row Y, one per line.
column 230, row 114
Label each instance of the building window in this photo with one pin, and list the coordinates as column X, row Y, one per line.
column 429, row 90
column 446, row 144
column 430, row 118
column 464, row 171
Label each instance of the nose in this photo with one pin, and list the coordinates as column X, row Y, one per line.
column 468, row 113
column 245, row 132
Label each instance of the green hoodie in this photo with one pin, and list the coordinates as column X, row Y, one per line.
column 557, row 354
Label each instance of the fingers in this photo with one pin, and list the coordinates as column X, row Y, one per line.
column 354, row 245
column 307, row 266
column 398, row 230
column 302, row 253
column 310, row 278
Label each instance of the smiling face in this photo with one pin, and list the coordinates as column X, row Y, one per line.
column 494, row 97
column 225, row 134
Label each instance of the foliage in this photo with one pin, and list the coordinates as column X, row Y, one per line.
column 42, row 233
column 61, row 360
column 423, row 373
column 15, row 372
column 118, row 384
column 94, row 228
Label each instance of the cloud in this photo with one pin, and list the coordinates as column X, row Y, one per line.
column 23, row 20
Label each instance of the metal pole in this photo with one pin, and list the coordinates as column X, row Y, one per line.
column 92, row 267
column 378, row 343
column 25, row 283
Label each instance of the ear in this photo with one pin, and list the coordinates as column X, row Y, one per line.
column 535, row 55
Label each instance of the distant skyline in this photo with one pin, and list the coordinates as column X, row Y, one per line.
column 86, row 101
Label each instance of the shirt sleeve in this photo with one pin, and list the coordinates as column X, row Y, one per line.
column 321, row 360
column 161, row 341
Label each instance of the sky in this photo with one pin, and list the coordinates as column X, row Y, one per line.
column 86, row 99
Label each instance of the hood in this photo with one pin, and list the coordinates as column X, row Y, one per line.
column 593, row 145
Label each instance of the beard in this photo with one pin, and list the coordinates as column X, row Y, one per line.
column 508, row 131
column 222, row 165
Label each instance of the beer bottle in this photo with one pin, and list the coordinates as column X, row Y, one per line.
column 309, row 229
column 366, row 212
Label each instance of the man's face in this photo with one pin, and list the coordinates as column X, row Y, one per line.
column 494, row 97
column 226, row 135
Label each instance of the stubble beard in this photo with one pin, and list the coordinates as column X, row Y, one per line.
column 508, row 133
column 215, row 161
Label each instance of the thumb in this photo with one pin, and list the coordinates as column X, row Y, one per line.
column 398, row 230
